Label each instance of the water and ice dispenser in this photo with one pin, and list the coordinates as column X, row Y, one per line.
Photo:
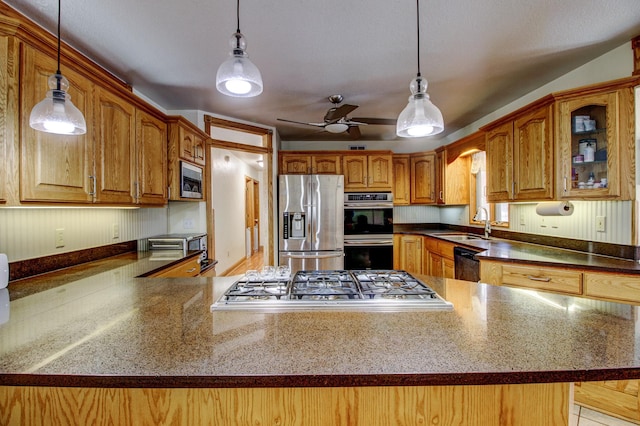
column 294, row 225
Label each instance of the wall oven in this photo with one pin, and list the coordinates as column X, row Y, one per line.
column 368, row 230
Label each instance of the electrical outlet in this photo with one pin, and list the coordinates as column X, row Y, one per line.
column 115, row 231
column 59, row 237
column 188, row 224
column 521, row 219
column 600, row 223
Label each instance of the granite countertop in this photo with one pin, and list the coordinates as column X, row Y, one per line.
column 109, row 328
column 521, row 252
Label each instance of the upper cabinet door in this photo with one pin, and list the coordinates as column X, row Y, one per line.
column 295, row 164
column 595, row 146
column 115, row 159
column 151, row 142
column 533, row 155
column 499, row 163
column 380, row 172
column 53, row 168
column 354, row 168
column 423, row 178
column 401, row 179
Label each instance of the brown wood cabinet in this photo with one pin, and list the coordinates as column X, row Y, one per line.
column 452, row 178
column 619, row 398
column 368, row 172
column 192, row 143
column 520, row 160
column 184, row 139
column 54, row 168
column 439, row 257
column 115, row 148
column 401, row 179
column 410, row 253
column 423, row 178
column 292, row 163
column 121, row 160
column 187, row 268
column 151, row 148
column 611, row 106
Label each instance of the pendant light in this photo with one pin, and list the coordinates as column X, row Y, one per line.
column 238, row 76
column 56, row 113
column 420, row 117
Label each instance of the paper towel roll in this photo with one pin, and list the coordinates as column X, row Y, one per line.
column 554, row 208
column 4, row 270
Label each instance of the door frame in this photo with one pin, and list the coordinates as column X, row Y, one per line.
column 266, row 149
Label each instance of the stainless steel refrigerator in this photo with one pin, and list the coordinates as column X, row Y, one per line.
column 311, row 222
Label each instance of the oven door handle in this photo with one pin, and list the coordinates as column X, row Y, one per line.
column 364, row 243
column 368, row 206
column 312, row 256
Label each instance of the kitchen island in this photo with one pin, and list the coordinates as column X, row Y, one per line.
column 110, row 347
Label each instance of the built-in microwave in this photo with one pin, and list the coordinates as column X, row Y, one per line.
column 190, row 180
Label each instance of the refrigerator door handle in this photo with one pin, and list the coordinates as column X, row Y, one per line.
column 312, row 256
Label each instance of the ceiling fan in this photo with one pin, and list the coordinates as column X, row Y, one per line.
column 336, row 120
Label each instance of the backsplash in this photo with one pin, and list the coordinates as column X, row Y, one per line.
column 580, row 225
column 27, row 233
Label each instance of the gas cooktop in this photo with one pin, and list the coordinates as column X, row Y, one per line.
column 380, row 290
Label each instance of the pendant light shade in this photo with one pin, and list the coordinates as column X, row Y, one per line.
column 420, row 117
column 56, row 113
column 238, row 76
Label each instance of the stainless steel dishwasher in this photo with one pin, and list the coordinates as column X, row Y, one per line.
column 467, row 267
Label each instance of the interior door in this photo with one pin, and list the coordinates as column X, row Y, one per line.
column 248, row 216
column 256, row 216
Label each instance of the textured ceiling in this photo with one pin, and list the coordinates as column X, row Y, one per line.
column 477, row 56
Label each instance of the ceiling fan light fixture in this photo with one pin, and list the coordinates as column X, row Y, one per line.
column 238, row 76
column 56, row 113
column 336, row 127
column 420, row 117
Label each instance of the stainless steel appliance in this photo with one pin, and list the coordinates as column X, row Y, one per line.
column 466, row 266
column 310, row 222
column 386, row 290
column 368, row 230
column 177, row 245
column 190, row 180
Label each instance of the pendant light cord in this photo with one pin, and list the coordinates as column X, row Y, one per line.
column 59, row 6
column 238, row 14
column 418, row 31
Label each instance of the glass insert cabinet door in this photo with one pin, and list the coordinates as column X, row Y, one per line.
column 588, row 146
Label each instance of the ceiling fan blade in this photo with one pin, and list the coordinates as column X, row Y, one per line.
column 300, row 122
column 382, row 121
column 354, row 132
column 335, row 114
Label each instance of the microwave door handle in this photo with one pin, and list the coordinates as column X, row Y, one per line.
column 368, row 206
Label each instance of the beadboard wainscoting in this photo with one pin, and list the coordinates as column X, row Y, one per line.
column 27, row 233
column 581, row 225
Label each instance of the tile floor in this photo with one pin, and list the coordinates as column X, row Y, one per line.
column 582, row 416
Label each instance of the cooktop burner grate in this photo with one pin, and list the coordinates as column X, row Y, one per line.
column 324, row 285
column 392, row 284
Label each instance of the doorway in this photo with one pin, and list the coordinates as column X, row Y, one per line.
column 245, row 151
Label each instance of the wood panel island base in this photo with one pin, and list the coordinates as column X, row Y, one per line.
column 522, row 404
column 111, row 348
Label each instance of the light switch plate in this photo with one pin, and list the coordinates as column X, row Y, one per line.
column 600, row 223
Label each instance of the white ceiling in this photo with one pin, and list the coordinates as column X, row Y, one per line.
column 476, row 55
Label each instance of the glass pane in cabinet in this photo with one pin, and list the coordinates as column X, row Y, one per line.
column 589, row 147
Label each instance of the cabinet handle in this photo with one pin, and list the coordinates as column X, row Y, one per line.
column 136, row 194
column 543, row 279
column 92, row 192
column 190, row 270
column 441, row 195
column 565, row 184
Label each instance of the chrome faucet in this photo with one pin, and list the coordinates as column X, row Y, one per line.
column 487, row 222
